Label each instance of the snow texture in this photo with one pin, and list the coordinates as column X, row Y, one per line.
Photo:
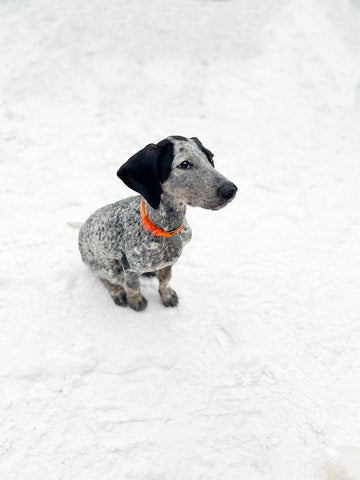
column 256, row 374
column 344, row 464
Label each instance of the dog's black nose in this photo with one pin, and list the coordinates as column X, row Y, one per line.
column 227, row 191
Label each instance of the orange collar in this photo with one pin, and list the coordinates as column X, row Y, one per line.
column 158, row 232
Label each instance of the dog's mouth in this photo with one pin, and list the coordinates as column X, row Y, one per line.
column 219, row 206
column 216, row 205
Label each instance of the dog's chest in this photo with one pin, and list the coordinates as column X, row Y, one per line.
column 159, row 252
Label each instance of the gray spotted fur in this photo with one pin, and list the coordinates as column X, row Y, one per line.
column 118, row 249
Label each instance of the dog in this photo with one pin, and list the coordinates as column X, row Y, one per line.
column 146, row 234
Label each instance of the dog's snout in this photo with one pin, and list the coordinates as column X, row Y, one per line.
column 227, row 191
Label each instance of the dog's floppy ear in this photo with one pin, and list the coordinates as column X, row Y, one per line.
column 145, row 171
column 205, row 150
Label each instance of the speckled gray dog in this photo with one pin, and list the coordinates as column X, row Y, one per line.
column 116, row 246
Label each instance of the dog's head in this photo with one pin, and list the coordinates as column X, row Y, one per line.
column 181, row 167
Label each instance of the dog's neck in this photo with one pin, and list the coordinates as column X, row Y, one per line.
column 169, row 215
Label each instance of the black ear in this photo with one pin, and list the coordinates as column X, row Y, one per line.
column 205, row 150
column 145, row 171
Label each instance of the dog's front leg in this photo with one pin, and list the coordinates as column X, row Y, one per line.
column 167, row 294
column 134, row 297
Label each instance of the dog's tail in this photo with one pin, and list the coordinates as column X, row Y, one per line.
column 77, row 225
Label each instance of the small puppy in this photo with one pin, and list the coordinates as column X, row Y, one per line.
column 146, row 234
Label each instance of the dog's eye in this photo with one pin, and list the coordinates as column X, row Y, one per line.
column 185, row 165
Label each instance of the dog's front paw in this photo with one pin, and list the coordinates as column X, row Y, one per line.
column 137, row 302
column 119, row 298
column 169, row 297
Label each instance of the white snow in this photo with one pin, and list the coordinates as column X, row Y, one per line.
column 256, row 374
column 344, row 464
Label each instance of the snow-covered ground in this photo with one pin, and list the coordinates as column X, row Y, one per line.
column 256, row 375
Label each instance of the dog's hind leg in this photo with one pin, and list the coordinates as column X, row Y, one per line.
column 117, row 292
column 167, row 294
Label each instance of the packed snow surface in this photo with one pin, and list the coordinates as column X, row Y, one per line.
column 256, row 375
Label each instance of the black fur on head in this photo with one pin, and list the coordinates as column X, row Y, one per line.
column 205, row 150
column 145, row 171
